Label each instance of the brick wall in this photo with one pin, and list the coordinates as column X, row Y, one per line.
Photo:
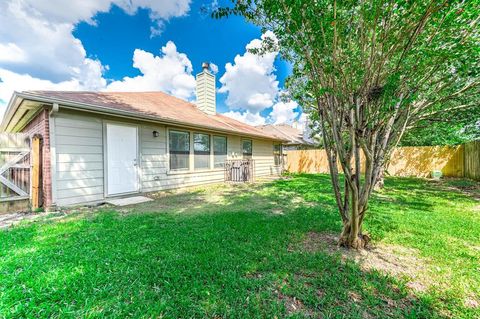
column 40, row 125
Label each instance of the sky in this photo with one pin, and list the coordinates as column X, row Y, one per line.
column 141, row 45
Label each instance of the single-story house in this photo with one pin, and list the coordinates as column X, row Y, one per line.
column 294, row 137
column 98, row 145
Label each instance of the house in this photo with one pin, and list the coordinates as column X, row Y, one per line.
column 98, row 145
column 295, row 138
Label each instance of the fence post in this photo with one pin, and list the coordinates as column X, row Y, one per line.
column 36, row 166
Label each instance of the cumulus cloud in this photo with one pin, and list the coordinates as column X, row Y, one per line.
column 11, row 81
column 214, row 68
column 246, row 117
column 250, row 81
column 284, row 112
column 171, row 72
column 37, row 44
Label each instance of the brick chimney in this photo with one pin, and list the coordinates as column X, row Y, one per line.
column 206, row 100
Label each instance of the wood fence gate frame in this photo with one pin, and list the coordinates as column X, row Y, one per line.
column 36, row 173
column 20, row 168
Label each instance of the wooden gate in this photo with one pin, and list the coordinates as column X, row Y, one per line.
column 14, row 167
column 239, row 170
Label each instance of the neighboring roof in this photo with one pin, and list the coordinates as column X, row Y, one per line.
column 147, row 105
column 287, row 132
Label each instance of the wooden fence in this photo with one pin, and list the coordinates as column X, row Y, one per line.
column 471, row 160
column 14, row 167
column 453, row 161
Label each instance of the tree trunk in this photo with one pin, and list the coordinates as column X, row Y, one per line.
column 352, row 236
column 380, row 183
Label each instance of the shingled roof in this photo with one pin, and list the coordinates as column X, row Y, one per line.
column 286, row 132
column 152, row 105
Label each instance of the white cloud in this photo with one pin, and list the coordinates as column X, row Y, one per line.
column 10, row 52
column 302, row 122
column 250, row 82
column 37, row 46
column 12, row 81
column 246, row 117
column 284, row 112
column 214, row 68
column 171, row 73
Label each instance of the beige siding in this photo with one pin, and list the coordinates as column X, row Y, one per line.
column 262, row 153
column 153, row 155
column 80, row 159
column 79, row 154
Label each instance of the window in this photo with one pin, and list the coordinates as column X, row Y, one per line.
column 179, row 147
column 201, row 150
column 277, row 154
column 219, row 151
column 247, row 148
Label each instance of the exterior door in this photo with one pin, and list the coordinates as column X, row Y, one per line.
column 122, row 150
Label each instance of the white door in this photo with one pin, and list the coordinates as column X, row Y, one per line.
column 122, row 174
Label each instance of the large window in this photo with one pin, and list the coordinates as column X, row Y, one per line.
column 277, row 154
column 247, row 148
column 179, row 147
column 219, row 151
column 201, row 150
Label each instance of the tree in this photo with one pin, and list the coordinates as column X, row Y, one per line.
column 445, row 129
column 367, row 70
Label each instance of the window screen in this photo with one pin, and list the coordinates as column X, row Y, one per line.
column 277, row 154
column 179, row 147
column 219, row 151
column 201, row 150
column 247, row 148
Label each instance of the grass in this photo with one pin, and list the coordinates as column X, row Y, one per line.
column 236, row 252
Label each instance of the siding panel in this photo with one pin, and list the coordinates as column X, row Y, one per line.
column 79, row 147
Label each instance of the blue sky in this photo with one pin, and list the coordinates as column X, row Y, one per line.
column 142, row 45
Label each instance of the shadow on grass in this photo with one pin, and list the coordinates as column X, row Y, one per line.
column 201, row 257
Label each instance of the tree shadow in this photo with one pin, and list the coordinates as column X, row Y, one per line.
column 199, row 254
column 190, row 265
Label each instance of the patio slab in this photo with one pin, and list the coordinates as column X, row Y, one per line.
column 129, row 200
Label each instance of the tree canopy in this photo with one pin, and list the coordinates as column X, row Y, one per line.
column 367, row 71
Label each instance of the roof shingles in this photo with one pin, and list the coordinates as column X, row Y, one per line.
column 156, row 105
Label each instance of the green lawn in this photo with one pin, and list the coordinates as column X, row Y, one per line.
column 240, row 252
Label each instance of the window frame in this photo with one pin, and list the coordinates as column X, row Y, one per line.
column 170, row 151
column 194, row 168
column 191, row 158
column 278, row 154
column 213, row 150
column 249, row 155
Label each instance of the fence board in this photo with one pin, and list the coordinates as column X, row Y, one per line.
column 472, row 160
column 453, row 161
column 35, row 180
column 14, row 166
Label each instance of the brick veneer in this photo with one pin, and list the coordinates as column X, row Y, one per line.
column 40, row 125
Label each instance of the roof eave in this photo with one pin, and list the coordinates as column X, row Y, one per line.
column 11, row 108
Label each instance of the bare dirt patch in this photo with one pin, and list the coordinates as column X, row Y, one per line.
column 472, row 302
column 292, row 304
column 468, row 187
column 394, row 260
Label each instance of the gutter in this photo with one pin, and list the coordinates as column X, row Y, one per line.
column 110, row 111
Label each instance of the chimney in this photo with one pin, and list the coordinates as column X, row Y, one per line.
column 206, row 100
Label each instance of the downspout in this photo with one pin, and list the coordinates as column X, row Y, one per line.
column 53, row 154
